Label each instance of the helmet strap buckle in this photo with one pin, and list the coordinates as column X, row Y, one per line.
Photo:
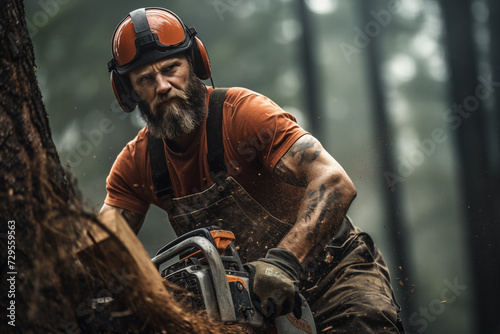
column 192, row 31
column 145, row 40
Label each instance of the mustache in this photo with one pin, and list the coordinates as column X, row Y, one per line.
column 165, row 98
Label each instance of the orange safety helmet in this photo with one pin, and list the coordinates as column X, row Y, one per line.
column 145, row 36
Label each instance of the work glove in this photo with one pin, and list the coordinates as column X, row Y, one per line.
column 274, row 283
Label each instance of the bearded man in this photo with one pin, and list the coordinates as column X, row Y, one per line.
column 235, row 159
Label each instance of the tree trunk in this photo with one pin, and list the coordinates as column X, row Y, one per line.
column 494, row 6
column 56, row 257
column 385, row 146
column 478, row 183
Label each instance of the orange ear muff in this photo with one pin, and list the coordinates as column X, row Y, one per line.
column 122, row 93
column 201, row 61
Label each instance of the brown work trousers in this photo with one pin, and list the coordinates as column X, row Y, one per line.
column 348, row 286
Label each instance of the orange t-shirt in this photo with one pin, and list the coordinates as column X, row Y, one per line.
column 256, row 134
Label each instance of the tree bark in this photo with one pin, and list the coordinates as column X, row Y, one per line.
column 61, row 256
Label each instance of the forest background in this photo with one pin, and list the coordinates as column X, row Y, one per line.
column 373, row 80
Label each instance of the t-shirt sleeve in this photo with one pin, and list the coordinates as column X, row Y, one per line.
column 125, row 190
column 264, row 132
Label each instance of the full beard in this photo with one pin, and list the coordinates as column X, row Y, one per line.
column 177, row 112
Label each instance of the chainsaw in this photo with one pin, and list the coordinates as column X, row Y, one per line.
column 210, row 269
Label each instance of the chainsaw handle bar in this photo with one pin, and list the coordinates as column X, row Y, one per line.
column 221, row 286
column 203, row 232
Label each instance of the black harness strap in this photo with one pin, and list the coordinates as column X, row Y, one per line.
column 215, row 142
column 159, row 169
column 161, row 178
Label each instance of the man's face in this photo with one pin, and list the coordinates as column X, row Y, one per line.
column 173, row 98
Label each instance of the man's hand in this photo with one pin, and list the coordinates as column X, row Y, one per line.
column 274, row 283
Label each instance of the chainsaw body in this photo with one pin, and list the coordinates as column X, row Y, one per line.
column 210, row 269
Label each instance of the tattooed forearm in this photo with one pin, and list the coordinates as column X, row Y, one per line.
column 333, row 199
column 331, row 210
column 321, row 214
column 328, row 194
column 319, row 207
column 311, row 205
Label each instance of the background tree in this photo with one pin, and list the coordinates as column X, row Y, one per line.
column 475, row 158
